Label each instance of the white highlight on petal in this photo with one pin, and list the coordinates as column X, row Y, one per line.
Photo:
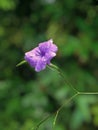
column 51, row 40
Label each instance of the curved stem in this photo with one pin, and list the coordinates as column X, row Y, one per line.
column 56, row 112
column 76, row 94
column 53, row 67
column 42, row 121
column 67, row 101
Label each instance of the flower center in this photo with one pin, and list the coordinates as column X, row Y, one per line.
column 40, row 53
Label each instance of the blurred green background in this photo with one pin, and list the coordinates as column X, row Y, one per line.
column 26, row 96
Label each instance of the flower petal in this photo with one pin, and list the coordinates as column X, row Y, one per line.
column 41, row 65
column 44, row 46
column 54, row 48
column 33, row 56
column 32, row 61
column 49, row 56
column 47, row 46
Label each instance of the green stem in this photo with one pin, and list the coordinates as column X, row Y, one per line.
column 88, row 93
column 53, row 67
column 76, row 94
column 41, row 122
column 66, row 102
column 56, row 112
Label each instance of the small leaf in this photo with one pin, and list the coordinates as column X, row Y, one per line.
column 22, row 62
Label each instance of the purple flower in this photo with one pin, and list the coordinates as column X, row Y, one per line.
column 40, row 56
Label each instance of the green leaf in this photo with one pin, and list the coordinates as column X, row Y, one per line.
column 21, row 63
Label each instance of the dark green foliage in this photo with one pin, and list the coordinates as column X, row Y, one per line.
column 26, row 97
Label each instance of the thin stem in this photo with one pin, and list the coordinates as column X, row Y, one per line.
column 53, row 67
column 76, row 94
column 67, row 101
column 88, row 93
column 66, row 81
column 55, row 118
column 56, row 112
column 42, row 121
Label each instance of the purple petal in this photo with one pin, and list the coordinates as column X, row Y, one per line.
column 41, row 55
column 32, row 56
column 54, row 48
column 44, row 46
column 32, row 61
column 41, row 65
column 48, row 46
column 49, row 56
